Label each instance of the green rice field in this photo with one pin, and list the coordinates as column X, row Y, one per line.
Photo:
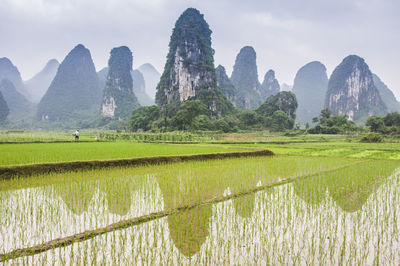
column 37, row 153
column 333, row 203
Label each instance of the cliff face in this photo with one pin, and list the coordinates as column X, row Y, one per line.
column 225, row 84
column 270, row 85
column 352, row 92
column 386, row 94
column 310, row 86
column 245, row 79
column 11, row 72
column 189, row 72
column 74, row 91
column 38, row 85
column 119, row 99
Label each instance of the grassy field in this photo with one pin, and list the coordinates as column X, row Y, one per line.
column 36, row 153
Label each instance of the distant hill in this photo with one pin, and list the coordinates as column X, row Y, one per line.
column 139, row 88
column 245, row 79
column 74, row 93
column 38, row 85
column 151, row 77
column 225, row 84
column 310, row 86
column 286, row 87
column 386, row 94
column 11, row 72
column 352, row 92
column 270, row 85
column 102, row 76
column 18, row 105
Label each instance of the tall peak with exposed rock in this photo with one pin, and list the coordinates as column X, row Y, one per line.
column 245, row 79
column 352, row 92
column 189, row 72
column 119, row 100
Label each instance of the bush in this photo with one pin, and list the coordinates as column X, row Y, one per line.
column 372, row 138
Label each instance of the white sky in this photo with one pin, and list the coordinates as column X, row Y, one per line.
column 285, row 34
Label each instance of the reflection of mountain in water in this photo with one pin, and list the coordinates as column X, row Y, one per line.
column 349, row 187
column 197, row 182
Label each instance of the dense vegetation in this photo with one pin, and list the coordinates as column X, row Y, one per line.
column 333, row 124
column 388, row 124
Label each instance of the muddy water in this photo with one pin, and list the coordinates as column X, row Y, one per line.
column 347, row 215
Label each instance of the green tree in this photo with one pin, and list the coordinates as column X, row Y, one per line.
column 143, row 117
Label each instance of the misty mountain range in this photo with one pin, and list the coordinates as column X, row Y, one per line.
column 73, row 90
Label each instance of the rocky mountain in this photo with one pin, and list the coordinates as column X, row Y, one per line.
column 270, row 85
column 38, row 85
column 4, row 110
column 139, row 88
column 11, row 72
column 225, row 84
column 351, row 91
column 16, row 102
column 245, row 79
column 386, row 94
column 118, row 97
column 74, row 92
column 151, row 77
column 189, row 72
column 310, row 86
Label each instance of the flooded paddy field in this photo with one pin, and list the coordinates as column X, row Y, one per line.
column 255, row 210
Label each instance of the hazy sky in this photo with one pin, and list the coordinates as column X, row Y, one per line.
column 285, row 34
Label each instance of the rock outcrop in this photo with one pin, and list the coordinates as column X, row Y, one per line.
column 4, row 110
column 74, row 92
column 139, row 88
column 119, row 99
column 387, row 95
column 151, row 78
column 352, row 92
column 310, row 86
column 11, row 72
column 245, row 79
column 189, row 72
column 225, row 84
column 38, row 85
column 270, row 85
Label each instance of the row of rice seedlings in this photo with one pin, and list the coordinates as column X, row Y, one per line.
column 36, row 153
column 38, row 209
column 307, row 222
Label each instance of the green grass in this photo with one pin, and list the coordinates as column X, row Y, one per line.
column 36, row 153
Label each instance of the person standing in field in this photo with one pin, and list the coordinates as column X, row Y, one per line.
column 77, row 134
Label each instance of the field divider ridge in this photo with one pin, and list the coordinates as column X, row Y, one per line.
column 27, row 170
column 86, row 235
